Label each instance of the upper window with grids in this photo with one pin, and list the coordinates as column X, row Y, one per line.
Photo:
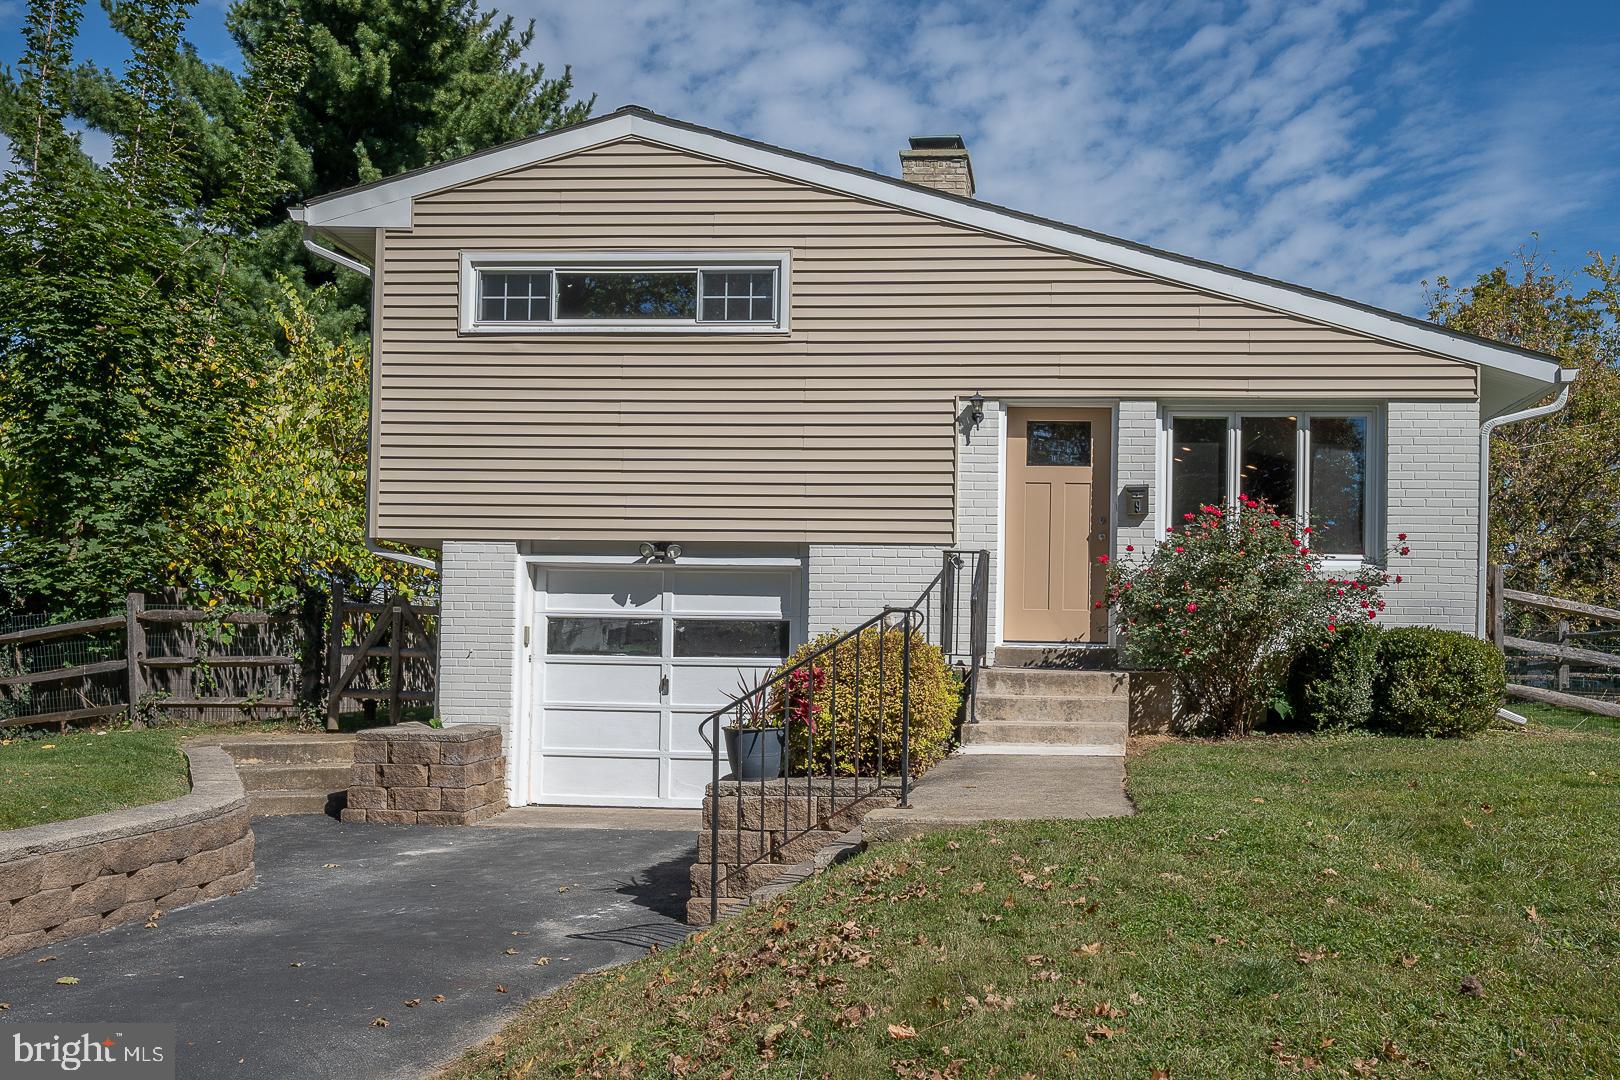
column 621, row 292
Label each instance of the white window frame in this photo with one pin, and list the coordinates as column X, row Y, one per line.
column 474, row 263
column 1373, row 525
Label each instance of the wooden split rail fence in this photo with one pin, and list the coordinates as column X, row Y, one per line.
column 1574, row 661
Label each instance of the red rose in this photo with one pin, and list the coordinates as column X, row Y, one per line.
column 1192, row 606
column 1400, row 536
column 1130, row 547
column 1406, row 551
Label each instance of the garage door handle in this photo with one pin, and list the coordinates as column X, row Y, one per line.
column 663, row 685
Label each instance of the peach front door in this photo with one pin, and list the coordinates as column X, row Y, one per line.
column 1057, row 523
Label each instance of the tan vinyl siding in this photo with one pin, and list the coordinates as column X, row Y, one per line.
column 839, row 432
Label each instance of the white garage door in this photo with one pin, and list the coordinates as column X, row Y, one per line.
column 631, row 660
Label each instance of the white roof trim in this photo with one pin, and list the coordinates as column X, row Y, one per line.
column 387, row 205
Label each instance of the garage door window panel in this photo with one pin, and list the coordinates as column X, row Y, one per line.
column 574, row 636
column 740, row 638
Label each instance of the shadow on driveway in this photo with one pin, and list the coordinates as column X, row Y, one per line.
column 284, row 980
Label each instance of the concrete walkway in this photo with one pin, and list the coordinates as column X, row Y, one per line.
column 970, row 790
column 347, row 923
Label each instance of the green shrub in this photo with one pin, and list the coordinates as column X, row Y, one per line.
column 865, row 740
column 1437, row 682
column 1226, row 601
column 1331, row 685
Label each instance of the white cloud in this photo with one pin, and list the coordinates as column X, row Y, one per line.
column 1320, row 141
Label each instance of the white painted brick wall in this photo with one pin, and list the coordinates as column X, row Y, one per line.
column 1138, row 446
column 978, row 499
column 1433, row 497
column 850, row 583
column 478, row 591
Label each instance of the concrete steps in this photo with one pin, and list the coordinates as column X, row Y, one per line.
column 1029, row 707
column 292, row 774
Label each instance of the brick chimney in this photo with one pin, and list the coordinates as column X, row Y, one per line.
column 940, row 162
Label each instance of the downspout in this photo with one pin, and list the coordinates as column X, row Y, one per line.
column 371, row 545
column 1485, row 431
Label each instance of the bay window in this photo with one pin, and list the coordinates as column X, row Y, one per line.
column 1318, row 466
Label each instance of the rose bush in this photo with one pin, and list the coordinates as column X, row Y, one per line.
column 1226, row 601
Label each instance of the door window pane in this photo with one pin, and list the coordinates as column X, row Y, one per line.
column 1267, row 467
column 1339, row 484
column 626, row 296
column 731, row 637
column 1059, row 442
column 603, row 637
column 1197, row 464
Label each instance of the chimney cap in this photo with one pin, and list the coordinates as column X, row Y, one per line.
column 937, row 142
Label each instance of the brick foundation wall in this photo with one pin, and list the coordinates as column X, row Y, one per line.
column 70, row 878
column 755, row 850
column 416, row 775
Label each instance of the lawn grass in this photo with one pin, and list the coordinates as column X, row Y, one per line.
column 80, row 773
column 48, row 777
column 1279, row 906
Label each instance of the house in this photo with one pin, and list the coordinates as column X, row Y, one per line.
column 794, row 382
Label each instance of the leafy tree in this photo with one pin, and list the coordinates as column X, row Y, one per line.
column 287, row 512
column 1555, row 498
column 398, row 84
column 118, row 377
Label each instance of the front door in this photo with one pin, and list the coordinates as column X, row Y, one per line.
column 1057, row 524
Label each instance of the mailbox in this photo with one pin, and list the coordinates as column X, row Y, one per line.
column 1136, row 500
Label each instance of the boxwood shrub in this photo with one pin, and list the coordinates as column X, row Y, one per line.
column 1331, row 684
column 936, row 698
column 1437, row 682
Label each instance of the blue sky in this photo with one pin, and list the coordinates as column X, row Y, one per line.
column 1353, row 146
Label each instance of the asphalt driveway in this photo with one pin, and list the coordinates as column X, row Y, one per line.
column 284, row 980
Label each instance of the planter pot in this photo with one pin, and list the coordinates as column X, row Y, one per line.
column 755, row 753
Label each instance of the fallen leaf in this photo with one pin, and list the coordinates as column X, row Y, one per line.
column 520, row 933
column 1257, row 799
column 1137, row 999
column 1159, row 1074
column 1392, row 1052
column 1409, row 960
column 49, row 746
column 439, row 998
column 951, row 845
column 1330, row 872
column 1530, row 913
column 45, row 959
column 296, row 963
column 331, row 866
column 1089, row 950
column 381, row 1021
column 4, row 1005
column 510, row 952
column 500, row 989
column 413, row 1003
column 67, row 980
column 541, row 961
column 902, row 1031
column 1471, row 986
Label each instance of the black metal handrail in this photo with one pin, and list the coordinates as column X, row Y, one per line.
column 786, row 708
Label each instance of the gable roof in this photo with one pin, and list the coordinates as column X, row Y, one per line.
column 1519, row 375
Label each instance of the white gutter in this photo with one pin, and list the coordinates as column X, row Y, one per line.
column 1567, row 379
column 371, row 545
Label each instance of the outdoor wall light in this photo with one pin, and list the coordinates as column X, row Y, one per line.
column 661, row 552
column 975, row 411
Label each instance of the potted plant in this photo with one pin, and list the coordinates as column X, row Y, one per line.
column 756, row 735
